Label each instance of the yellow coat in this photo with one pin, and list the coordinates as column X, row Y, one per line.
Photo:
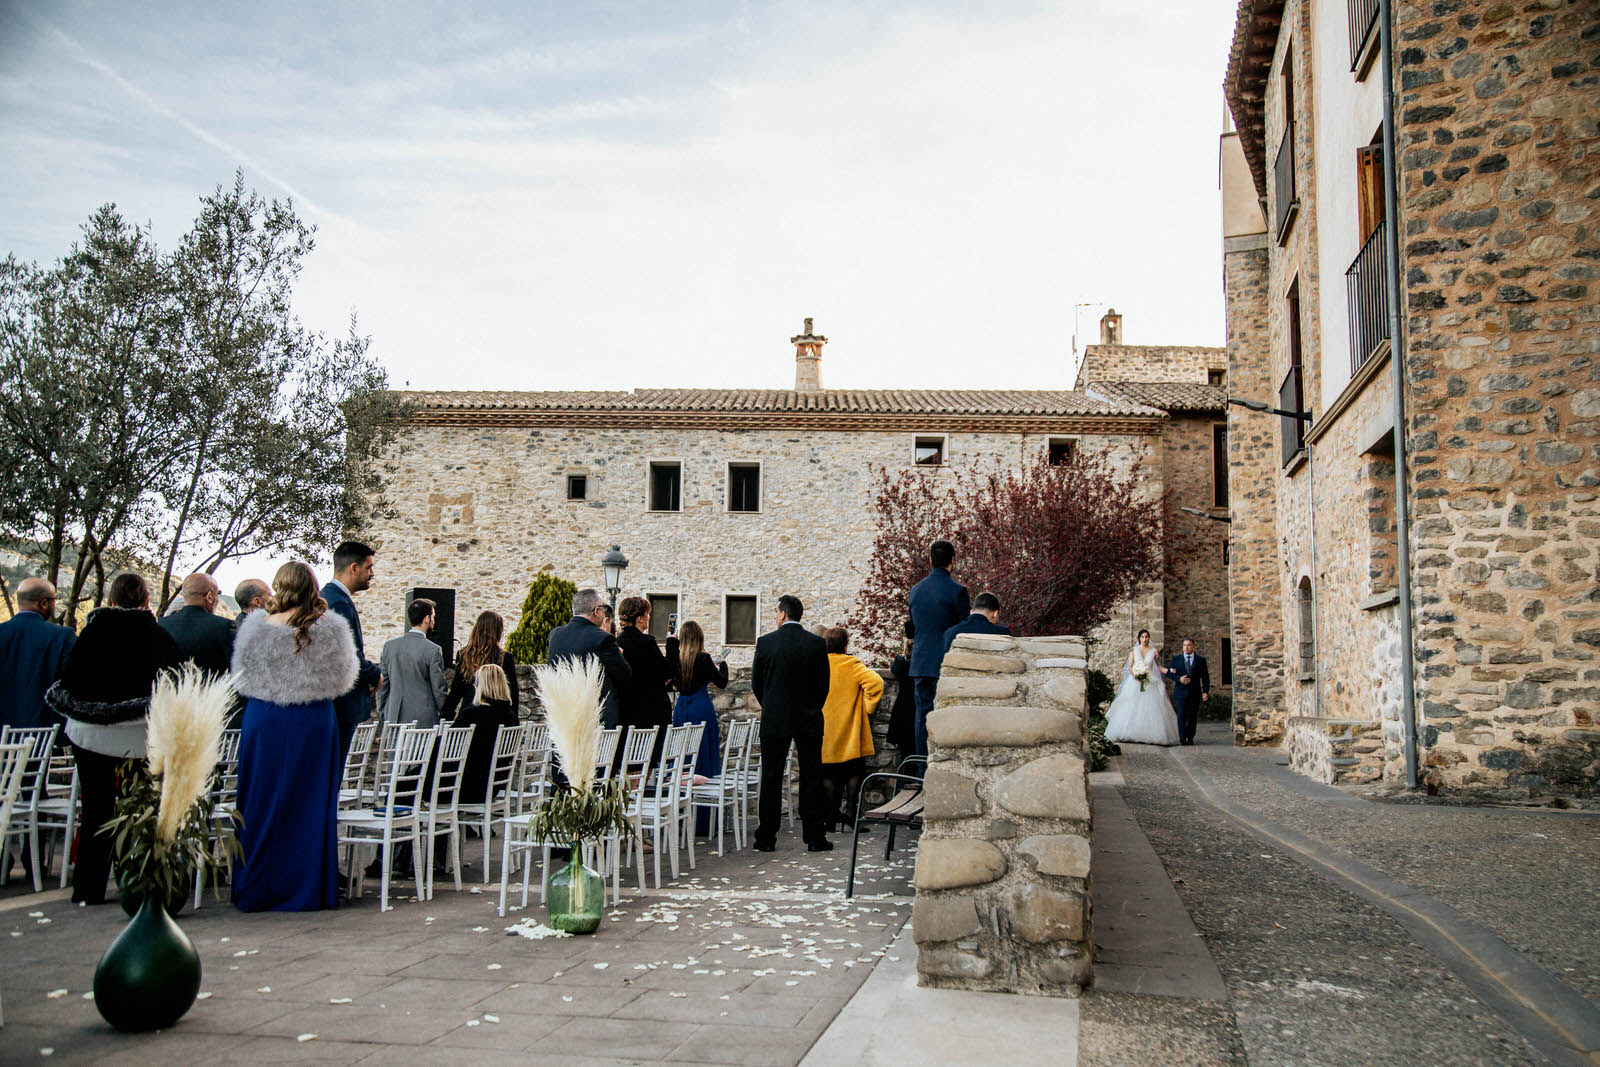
column 854, row 690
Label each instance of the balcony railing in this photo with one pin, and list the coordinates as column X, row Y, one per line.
column 1292, row 430
column 1285, row 203
column 1363, row 17
column 1366, row 285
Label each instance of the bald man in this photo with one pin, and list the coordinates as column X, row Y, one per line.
column 204, row 639
column 32, row 650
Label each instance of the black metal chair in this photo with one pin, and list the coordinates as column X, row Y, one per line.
column 902, row 809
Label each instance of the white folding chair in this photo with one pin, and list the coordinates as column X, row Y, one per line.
column 606, row 753
column 400, row 815
column 13, row 766
column 353, row 786
column 499, row 796
column 24, row 826
column 58, row 811
column 444, row 802
column 748, row 783
column 656, row 809
column 720, row 794
column 635, row 769
column 533, row 771
column 691, row 759
column 224, row 805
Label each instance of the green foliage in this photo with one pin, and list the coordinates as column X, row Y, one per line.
column 1098, row 694
column 142, row 863
column 1100, row 750
column 1098, row 691
column 577, row 817
column 547, row 605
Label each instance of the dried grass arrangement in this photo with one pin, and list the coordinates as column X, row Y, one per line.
column 572, row 692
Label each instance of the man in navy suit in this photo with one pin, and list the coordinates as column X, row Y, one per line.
column 353, row 568
column 32, row 650
column 1192, row 688
column 584, row 636
column 938, row 602
column 985, row 619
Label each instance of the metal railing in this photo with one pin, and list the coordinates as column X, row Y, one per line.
column 1363, row 17
column 1366, row 284
column 1292, row 430
column 1284, row 201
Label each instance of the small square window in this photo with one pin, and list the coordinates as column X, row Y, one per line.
column 663, row 613
column 666, row 487
column 739, row 620
column 577, row 487
column 744, row 487
column 1227, row 661
column 929, row 452
column 1216, row 377
column 1225, row 555
column 1061, row 450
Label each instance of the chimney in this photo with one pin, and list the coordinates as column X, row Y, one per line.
column 1111, row 328
column 808, row 361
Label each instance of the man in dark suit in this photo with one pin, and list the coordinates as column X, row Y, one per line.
column 32, row 652
column 353, row 568
column 204, row 638
column 985, row 619
column 1192, row 688
column 790, row 681
column 583, row 636
column 938, row 602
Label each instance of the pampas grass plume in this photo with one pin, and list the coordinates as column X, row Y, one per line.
column 187, row 713
column 571, row 692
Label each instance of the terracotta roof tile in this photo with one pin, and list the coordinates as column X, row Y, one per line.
column 1168, row 396
column 1047, row 402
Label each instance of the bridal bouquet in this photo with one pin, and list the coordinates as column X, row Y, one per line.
column 1141, row 674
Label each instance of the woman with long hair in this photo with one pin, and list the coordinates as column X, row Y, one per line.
column 482, row 648
column 1141, row 713
column 290, row 662
column 104, row 693
column 694, row 672
column 490, row 709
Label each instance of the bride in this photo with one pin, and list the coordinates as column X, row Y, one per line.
column 1142, row 714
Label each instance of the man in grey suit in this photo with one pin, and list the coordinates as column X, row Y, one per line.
column 413, row 687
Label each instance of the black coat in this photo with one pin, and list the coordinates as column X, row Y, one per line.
column 487, row 717
column 113, row 666
column 790, row 681
column 580, row 638
column 206, row 640
column 902, row 717
column 937, row 603
column 354, row 707
column 973, row 624
column 645, row 702
column 461, row 688
column 706, row 671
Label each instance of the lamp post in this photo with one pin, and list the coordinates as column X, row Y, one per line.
column 1256, row 405
column 613, row 564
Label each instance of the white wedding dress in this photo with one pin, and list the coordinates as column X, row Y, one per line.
column 1146, row 717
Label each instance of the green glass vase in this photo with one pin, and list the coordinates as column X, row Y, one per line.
column 575, row 896
column 150, row 975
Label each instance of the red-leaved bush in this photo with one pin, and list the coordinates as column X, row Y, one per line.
column 1060, row 544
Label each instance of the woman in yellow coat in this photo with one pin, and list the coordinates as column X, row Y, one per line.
column 854, row 690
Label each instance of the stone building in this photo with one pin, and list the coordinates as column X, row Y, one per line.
column 722, row 499
column 1495, row 188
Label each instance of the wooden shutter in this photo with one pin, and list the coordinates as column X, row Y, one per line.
column 1369, row 188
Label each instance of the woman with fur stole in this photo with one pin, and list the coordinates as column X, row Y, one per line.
column 290, row 661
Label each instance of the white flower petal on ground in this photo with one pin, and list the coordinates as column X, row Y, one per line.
column 491, row 1018
column 474, row 1022
column 202, row 996
column 494, row 966
column 56, row 994
column 303, row 1038
column 264, row 989
column 341, row 1000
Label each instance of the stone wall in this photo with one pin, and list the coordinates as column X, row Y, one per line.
column 1150, row 363
column 1003, row 867
column 1197, row 597
column 1335, row 751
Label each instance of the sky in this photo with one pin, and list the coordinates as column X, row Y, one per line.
column 606, row 195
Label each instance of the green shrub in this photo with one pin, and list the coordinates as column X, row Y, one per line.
column 548, row 605
column 1098, row 691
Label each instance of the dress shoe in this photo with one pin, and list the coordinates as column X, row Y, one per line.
column 773, row 847
column 820, row 846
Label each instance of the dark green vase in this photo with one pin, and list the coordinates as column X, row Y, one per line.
column 131, row 899
column 575, row 896
column 150, row 975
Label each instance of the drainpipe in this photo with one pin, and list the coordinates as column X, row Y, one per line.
column 1402, row 502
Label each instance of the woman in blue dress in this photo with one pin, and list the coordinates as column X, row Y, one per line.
column 694, row 672
column 290, row 661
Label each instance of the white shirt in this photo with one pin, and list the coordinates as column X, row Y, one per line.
column 341, row 585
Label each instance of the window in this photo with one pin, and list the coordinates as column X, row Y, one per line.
column 1308, row 631
column 666, row 486
column 744, row 487
column 1216, row 377
column 577, row 487
column 663, row 613
column 1061, row 450
column 739, row 619
column 1383, row 550
column 1291, row 394
column 1219, row 465
column 1225, row 553
column 1227, row 661
column 929, row 452
column 1369, row 188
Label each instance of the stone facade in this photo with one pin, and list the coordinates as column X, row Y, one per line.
column 1003, row 866
column 1496, row 138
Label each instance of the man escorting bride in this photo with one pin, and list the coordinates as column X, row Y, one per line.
column 1141, row 712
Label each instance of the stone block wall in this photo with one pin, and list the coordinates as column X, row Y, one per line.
column 1335, row 751
column 1150, row 363
column 1003, row 868
column 1197, row 596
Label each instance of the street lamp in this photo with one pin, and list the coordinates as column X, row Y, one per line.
column 1256, row 405
column 1207, row 515
column 613, row 564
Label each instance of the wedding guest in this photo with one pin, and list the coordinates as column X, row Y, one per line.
column 492, row 706
column 354, row 566
column 937, row 603
column 854, row 690
column 790, row 682
column 290, row 662
column 413, row 689
column 104, row 694
column 984, row 619
column 33, row 650
column 609, row 623
column 204, row 638
column 903, row 715
column 251, row 594
column 582, row 637
column 482, row 648
column 694, row 672
column 645, row 702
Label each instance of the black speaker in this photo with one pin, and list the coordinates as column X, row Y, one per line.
column 444, row 618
